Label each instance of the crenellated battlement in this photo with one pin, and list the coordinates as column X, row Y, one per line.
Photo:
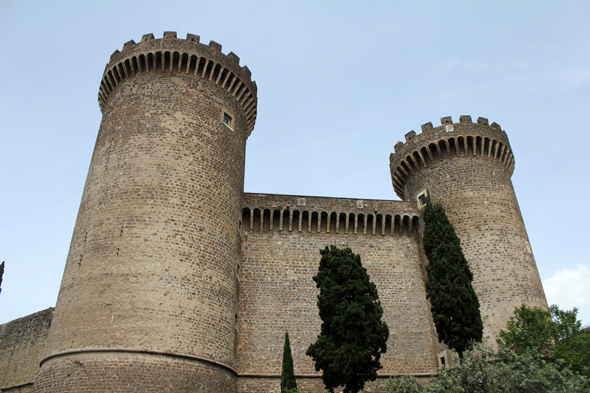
column 447, row 141
column 172, row 54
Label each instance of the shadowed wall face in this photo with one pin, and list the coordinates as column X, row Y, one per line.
column 152, row 261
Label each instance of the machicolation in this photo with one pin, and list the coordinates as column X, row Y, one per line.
column 171, row 54
column 449, row 140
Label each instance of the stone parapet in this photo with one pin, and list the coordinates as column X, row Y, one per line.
column 189, row 56
column 449, row 140
column 291, row 213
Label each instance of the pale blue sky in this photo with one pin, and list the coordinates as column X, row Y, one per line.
column 339, row 84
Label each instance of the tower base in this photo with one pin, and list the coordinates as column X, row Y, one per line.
column 131, row 372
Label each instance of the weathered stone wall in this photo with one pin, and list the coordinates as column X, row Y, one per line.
column 277, row 293
column 133, row 372
column 22, row 344
column 152, row 261
column 467, row 167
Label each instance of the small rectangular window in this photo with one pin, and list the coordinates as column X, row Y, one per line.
column 227, row 120
column 443, row 359
column 421, row 199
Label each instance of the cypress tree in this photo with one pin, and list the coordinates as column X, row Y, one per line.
column 288, row 381
column 352, row 336
column 454, row 303
column 1, row 274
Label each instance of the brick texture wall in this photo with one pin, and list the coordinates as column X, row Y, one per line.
column 119, row 372
column 22, row 344
column 177, row 281
column 467, row 166
column 152, row 261
column 277, row 293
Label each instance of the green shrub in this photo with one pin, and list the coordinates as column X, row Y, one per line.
column 403, row 384
column 481, row 372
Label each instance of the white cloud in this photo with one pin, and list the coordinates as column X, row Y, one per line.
column 569, row 288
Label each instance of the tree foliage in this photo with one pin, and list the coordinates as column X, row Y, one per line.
column 575, row 352
column 528, row 330
column 572, row 344
column 566, row 322
column 1, row 274
column 479, row 372
column 288, row 381
column 555, row 335
column 352, row 336
column 454, row 303
column 532, row 359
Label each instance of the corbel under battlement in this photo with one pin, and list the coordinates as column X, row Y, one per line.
column 171, row 54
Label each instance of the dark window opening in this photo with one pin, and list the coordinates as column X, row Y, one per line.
column 227, row 120
column 422, row 200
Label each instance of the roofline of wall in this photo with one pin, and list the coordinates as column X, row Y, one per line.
column 328, row 197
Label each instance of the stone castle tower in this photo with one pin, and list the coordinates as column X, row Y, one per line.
column 468, row 167
column 150, row 279
column 178, row 281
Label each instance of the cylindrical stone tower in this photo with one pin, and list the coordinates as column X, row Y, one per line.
column 148, row 297
column 467, row 167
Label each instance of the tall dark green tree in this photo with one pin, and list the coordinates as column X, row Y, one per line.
column 288, row 381
column 352, row 336
column 1, row 274
column 454, row 303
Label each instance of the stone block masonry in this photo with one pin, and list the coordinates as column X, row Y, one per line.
column 467, row 166
column 178, row 281
column 22, row 344
column 151, row 267
column 281, row 239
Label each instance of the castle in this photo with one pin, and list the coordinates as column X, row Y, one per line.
column 178, row 281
